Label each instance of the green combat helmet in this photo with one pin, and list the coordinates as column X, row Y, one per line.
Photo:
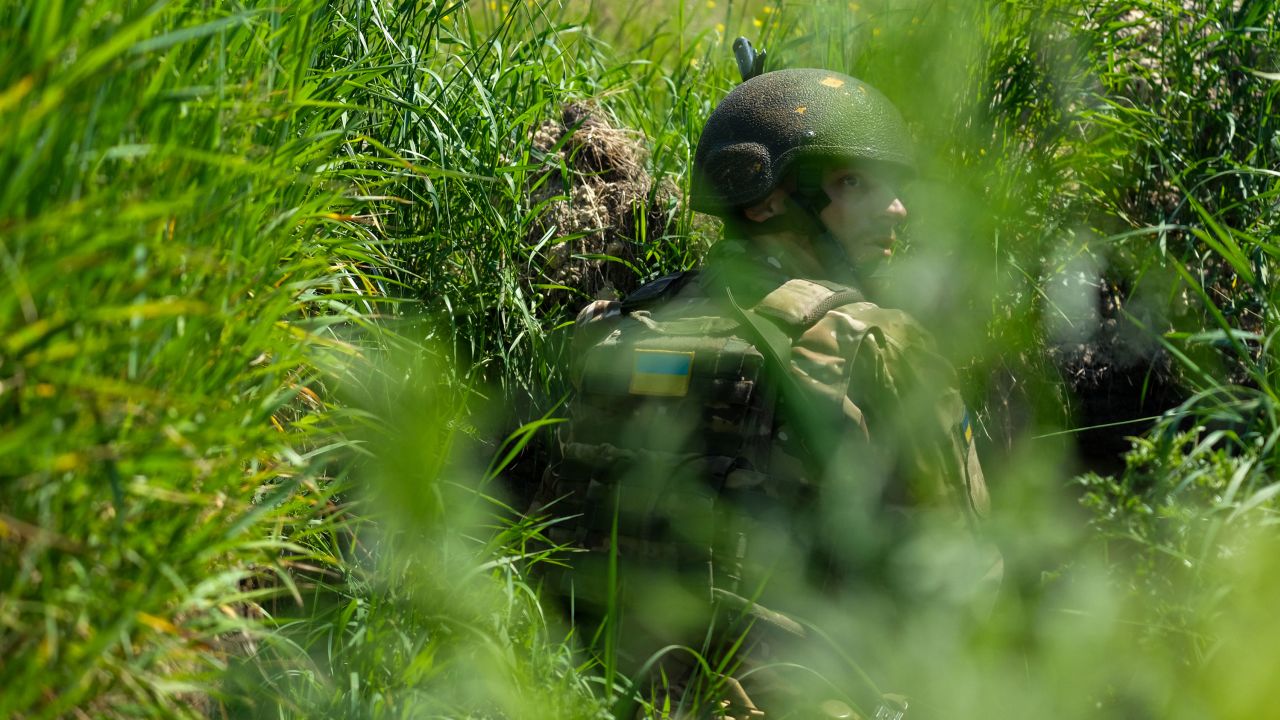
column 772, row 122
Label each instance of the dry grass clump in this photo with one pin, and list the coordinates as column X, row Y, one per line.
column 602, row 209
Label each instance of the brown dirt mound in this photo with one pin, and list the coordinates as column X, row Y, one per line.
column 597, row 187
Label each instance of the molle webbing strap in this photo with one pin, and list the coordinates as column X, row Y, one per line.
column 799, row 304
column 655, row 290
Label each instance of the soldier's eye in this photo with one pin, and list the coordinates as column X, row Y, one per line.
column 851, row 181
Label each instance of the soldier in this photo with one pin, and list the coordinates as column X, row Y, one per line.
column 759, row 435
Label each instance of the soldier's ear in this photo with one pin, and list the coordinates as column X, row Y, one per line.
column 770, row 207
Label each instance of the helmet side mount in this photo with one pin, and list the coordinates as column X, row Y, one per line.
column 750, row 62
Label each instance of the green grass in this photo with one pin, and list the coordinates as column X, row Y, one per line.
column 268, row 271
column 173, row 285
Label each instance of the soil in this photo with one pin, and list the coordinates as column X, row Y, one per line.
column 1117, row 380
column 1104, row 386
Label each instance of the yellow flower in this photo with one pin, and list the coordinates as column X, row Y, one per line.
column 711, row 4
column 720, row 28
column 493, row 5
column 854, row 7
column 757, row 22
column 693, row 62
column 875, row 32
column 767, row 10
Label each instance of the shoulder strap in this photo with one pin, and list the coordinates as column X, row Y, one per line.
column 656, row 290
column 774, row 342
column 798, row 304
column 791, row 309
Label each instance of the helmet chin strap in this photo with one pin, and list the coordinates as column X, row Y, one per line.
column 834, row 255
column 806, row 202
column 809, row 193
column 810, row 197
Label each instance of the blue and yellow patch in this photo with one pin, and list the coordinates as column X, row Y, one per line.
column 664, row 373
column 966, row 428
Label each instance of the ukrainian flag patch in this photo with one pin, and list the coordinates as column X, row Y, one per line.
column 966, row 428
column 661, row 372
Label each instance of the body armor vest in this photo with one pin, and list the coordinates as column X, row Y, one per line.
column 667, row 452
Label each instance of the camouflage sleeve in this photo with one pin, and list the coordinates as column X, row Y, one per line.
column 597, row 310
column 588, row 328
column 879, row 367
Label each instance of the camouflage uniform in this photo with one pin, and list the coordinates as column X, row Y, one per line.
column 748, row 429
column 708, row 488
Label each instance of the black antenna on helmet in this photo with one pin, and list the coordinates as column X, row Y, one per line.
column 750, row 63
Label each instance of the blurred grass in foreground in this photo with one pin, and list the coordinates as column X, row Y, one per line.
column 215, row 214
column 174, row 271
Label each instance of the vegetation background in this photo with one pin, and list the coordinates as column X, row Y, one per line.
column 286, row 288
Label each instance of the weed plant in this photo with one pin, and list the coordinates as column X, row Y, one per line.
column 264, row 264
column 177, row 260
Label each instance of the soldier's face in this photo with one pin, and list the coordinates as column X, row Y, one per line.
column 864, row 211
